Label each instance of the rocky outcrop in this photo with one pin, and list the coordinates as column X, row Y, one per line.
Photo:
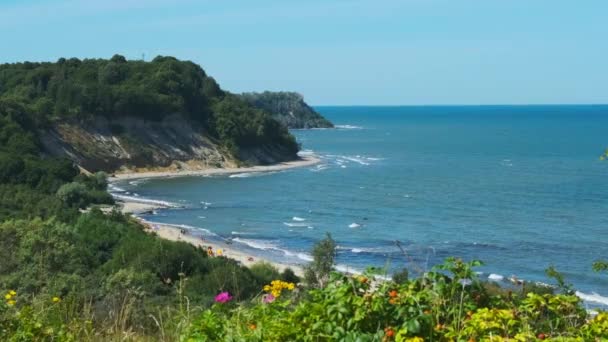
column 131, row 143
column 288, row 108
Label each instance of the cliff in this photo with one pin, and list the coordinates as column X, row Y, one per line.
column 118, row 114
column 131, row 143
column 288, row 108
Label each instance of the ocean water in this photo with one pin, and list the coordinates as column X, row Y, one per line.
column 518, row 187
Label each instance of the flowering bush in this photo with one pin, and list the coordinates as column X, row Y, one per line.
column 447, row 304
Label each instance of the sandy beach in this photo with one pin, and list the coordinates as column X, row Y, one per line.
column 306, row 160
column 226, row 250
column 178, row 234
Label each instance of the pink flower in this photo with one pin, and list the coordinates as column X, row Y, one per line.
column 268, row 298
column 223, row 297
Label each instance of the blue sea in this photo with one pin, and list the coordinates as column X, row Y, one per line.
column 519, row 187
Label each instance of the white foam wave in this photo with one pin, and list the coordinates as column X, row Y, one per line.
column 593, row 298
column 114, row 188
column 354, row 225
column 138, row 181
column 243, row 175
column 306, row 153
column 202, row 217
column 234, row 232
column 145, row 201
column 184, row 226
column 288, row 224
column 496, row 277
column 357, row 159
column 319, row 167
column 206, row 204
column 347, row 127
column 257, row 244
column 295, row 218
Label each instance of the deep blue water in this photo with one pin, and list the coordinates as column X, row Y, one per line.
column 518, row 187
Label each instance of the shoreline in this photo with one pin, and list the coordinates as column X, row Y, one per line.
column 169, row 232
column 303, row 161
column 174, row 233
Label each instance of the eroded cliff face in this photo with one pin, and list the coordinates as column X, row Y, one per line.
column 133, row 144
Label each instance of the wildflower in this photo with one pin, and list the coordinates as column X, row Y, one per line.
column 269, row 298
column 392, row 294
column 252, row 326
column 8, row 296
column 277, row 286
column 363, row 280
column 223, row 297
column 389, row 332
column 10, row 302
column 392, row 301
column 56, row 299
column 12, row 292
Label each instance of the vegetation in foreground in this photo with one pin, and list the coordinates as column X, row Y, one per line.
column 66, row 275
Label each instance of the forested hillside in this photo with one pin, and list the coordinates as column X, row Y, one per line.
column 288, row 108
column 100, row 96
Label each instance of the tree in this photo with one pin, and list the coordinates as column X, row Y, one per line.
column 324, row 256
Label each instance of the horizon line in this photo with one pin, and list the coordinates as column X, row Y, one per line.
column 463, row 105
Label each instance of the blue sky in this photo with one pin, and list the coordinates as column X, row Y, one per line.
column 346, row 52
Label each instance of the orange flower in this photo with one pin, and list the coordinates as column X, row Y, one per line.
column 252, row 326
column 389, row 332
column 363, row 280
column 392, row 301
column 392, row 294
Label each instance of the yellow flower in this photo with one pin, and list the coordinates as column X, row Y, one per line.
column 8, row 296
column 12, row 292
column 56, row 299
column 10, row 302
column 291, row 286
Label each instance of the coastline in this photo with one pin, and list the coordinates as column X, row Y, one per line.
column 303, row 161
column 174, row 233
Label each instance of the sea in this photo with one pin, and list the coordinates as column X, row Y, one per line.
column 520, row 188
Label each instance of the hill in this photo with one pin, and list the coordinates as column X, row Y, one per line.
column 288, row 108
column 108, row 114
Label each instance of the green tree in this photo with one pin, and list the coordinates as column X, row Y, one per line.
column 324, row 256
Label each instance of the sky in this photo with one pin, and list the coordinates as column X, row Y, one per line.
column 341, row 52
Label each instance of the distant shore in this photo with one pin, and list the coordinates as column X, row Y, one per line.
column 303, row 161
column 173, row 233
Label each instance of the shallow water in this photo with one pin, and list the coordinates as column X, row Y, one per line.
column 520, row 188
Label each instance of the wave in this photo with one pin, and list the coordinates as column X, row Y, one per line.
column 184, row 226
column 145, row 201
column 295, row 218
column 592, row 298
column 240, row 233
column 138, row 181
column 354, row 225
column 496, row 277
column 242, row 175
column 114, row 188
column 319, row 167
column 288, row 224
column 306, row 153
column 347, row 127
column 252, row 174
